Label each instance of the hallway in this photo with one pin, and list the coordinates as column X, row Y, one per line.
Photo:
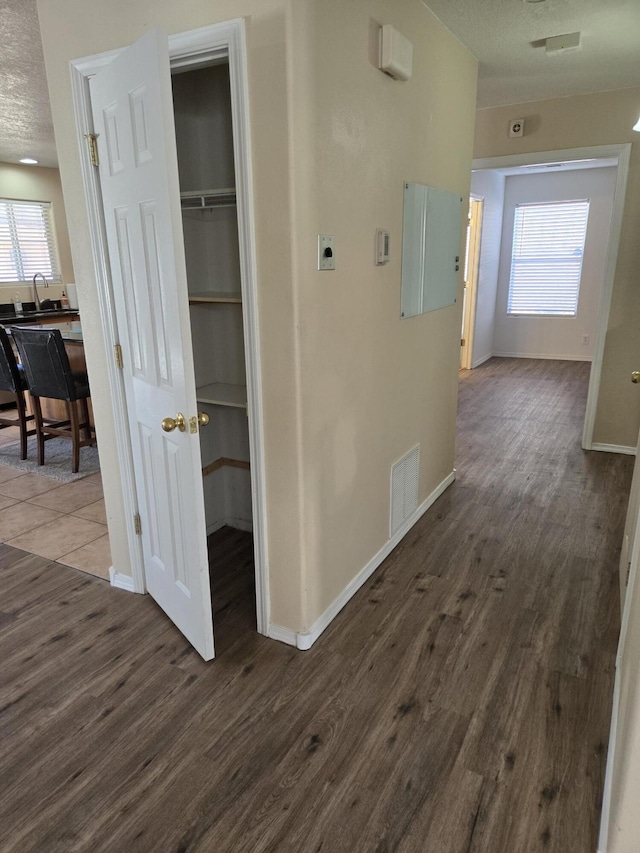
column 459, row 704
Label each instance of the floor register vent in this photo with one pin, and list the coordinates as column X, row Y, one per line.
column 404, row 489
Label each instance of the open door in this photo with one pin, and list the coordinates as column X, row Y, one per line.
column 133, row 120
column 471, row 271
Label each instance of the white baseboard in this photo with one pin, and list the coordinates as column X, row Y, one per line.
column 605, row 815
column 613, row 448
column 121, row 581
column 543, row 355
column 284, row 635
column 305, row 639
column 482, row 360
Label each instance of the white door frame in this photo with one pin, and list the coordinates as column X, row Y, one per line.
column 225, row 41
column 634, row 562
column 622, row 153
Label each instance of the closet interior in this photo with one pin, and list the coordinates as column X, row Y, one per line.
column 203, row 121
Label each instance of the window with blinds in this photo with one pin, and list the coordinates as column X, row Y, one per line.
column 546, row 258
column 27, row 241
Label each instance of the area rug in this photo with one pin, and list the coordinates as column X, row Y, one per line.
column 57, row 459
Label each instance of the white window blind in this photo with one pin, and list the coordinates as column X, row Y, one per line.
column 546, row 259
column 27, row 241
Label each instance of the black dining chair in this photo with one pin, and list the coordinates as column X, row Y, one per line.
column 12, row 379
column 48, row 374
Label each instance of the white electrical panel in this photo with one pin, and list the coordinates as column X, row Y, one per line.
column 430, row 249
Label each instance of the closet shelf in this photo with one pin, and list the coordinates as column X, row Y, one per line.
column 221, row 394
column 223, row 462
column 215, row 296
column 201, row 199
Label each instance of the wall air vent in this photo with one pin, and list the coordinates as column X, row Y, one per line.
column 404, row 489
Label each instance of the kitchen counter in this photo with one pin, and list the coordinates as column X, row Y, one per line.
column 30, row 316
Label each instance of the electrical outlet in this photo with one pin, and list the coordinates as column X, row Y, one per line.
column 326, row 252
column 585, row 340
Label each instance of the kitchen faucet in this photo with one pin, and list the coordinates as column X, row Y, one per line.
column 35, row 289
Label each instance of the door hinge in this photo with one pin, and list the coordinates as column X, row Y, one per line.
column 93, row 148
column 137, row 524
column 117, row 352
column 463, row 342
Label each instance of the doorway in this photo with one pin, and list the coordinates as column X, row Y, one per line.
column 616, row 156
column 185, row 512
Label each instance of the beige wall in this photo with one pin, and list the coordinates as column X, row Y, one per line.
column 372, row 385
column 34, row 183
column 605, row 118
column 348, row 387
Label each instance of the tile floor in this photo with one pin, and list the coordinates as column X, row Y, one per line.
column 63, row 522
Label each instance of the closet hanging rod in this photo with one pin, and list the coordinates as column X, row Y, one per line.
column 197, row 200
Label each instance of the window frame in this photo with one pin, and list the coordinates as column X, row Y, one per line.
column 520, row 262
column 49, row 244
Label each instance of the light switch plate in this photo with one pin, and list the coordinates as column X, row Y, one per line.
column 326, row 252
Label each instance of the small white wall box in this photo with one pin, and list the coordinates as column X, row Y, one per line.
column 563, row 44
column 396, row 53
column 516, row 127
column 382, row 247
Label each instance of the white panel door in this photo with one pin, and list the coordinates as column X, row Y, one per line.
column 133, row 119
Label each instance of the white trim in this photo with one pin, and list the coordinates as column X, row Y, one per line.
column 481, row 360
column 605, row 814
column 623, row 153
column 283, row 635
column 121, row 581
column 607, row 791
column 195, row 46
column 613, row 448
column 303, row 640
column 605, row 299
column 248, row 273
column 542, row 355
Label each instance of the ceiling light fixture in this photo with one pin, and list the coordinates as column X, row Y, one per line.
column 636, row 126
column 534, row 1
column 29, row 161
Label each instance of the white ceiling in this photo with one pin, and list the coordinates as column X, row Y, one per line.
column 507, row 37
column 26, row 129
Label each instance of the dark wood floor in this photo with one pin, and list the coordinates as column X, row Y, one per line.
column 459, row 704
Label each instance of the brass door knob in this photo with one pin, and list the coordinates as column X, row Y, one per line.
column 203, row 418
column 169, row 424
column 635, row 376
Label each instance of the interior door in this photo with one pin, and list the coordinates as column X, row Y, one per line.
column 620, row 820
column 133, row 120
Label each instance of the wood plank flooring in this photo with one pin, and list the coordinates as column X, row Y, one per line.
column 459, row 704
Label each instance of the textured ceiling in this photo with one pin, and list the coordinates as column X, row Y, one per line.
column 26, row 129
column 507, row 37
